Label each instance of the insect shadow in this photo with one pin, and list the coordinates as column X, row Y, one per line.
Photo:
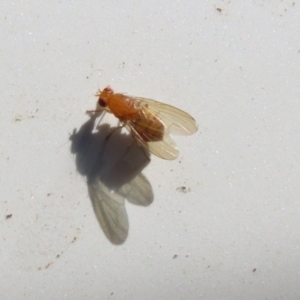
column 112, row 164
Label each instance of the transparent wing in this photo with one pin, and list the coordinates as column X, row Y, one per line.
column 176, row 121
column 165, row 149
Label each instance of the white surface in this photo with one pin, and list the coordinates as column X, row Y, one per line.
column 236, row 233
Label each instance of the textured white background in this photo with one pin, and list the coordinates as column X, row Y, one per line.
column 236, row 233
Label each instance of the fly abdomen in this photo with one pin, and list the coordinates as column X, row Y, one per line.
column 149, row 127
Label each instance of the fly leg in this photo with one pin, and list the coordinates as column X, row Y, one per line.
column 91, row 113
column 120, row 127
column 146, row 154
column 141, row 144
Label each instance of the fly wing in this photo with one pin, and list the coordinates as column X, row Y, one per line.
column 165, row 149
column 176, row 120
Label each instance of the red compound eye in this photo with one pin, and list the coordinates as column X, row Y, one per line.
column 108, row 89
column 102, row 103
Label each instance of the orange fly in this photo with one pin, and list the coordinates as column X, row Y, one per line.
column 150, row 122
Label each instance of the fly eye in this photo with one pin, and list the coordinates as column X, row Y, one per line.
column 101, row 102
column 108, row 89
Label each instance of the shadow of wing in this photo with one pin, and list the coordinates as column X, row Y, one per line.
column 138, row 191
column 109, row 208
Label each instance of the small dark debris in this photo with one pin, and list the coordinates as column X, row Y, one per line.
column 18, row 118
column 254, row 270
column 48, row 265
column 48, row 194
column 175, row 256
column 8, row 216
column 183, row 189
column 219, row 9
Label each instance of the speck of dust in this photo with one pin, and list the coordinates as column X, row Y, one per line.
column 183, row 189
column 8, row 216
